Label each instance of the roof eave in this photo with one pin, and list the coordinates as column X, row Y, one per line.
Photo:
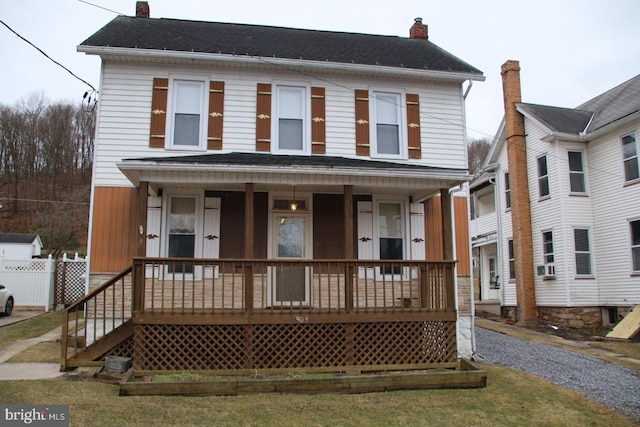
column 106, row 51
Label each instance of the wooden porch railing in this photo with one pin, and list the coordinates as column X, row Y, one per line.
column 195, row 286
column 91, row 318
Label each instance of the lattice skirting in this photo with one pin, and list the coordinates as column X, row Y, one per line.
column 292, row 346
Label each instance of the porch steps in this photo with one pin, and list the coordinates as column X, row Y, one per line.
column 108, row 342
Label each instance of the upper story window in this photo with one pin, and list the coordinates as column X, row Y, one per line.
column 507, row 190
column 577, row 181
column 187, row 123
column 543, row 177
column 387, row 136
column 635, row 245
column 630, row 157
column 582, row 251
column 291, row 122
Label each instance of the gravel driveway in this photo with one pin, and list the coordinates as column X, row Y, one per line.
column 612, row 385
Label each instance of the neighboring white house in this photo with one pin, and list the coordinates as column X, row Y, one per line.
column 584, row 194
column 20, row 246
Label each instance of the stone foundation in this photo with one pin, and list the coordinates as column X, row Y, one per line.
column 509, row 312
column 571, row 317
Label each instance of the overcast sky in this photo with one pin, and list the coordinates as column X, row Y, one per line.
column 569, row 50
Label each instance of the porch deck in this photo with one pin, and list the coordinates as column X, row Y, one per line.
column 240, row 315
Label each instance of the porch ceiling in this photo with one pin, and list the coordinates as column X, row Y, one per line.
column 272, row 172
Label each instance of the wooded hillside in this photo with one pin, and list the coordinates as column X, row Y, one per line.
column 46, row 155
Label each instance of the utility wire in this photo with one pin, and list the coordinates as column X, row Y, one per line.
column 47, row 56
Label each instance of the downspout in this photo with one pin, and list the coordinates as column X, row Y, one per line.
column 466, row 92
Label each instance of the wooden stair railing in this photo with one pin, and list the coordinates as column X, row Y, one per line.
column 97, row 322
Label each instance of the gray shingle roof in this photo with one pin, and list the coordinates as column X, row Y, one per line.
column 276, row 42
column 17, row 238
column 564, row 120
column 607, row 108
column 252, row 159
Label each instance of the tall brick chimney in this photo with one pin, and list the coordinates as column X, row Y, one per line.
column 519, row 185
column 142, row 9
column 419, row 30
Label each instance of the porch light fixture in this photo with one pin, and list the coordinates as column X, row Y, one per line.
column 293, row 205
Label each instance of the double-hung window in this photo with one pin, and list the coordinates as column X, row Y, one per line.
column 630, row 157
column 386, row 129
column 291, row 123
column 187, row 123
column 543, row 177
column 547, row 247
column 635, row 245
column 512, row 260
column 577, row 181
column 507, row 190
column 582, row 251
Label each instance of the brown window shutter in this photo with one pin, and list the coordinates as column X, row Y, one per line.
column 362, row 123
column 318, row 128
column 263, row 118
column 216, row 109
column 413, row 126
column 158, row 112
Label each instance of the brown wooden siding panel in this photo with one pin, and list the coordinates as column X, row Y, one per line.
column 318, row 127
column 158, row 112
column 215, row 118
column 413, row 126
column 232, row 227
column 263, row 117
column 328, row 226
column 461, row 216
column 113, row 239
column 362, row 122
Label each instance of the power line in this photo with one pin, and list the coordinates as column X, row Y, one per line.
column 47, row 56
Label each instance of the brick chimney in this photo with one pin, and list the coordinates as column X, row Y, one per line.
column 419, row 30
column 142, row 9
column 519, row 185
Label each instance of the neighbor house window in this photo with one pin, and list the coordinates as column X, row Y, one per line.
column 188, row 106
column 543, row 176
column 507, row 190
column 386, row 114
column 630, row 156
column 547, row 247
column 635, row 245
column 582, row 251
column 577, row 180
column 512, row 260
column 291, row 123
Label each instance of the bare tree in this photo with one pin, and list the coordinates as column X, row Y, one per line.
column 477, row 151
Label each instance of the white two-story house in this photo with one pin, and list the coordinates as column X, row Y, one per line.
column 254, row 181
column 583, row 190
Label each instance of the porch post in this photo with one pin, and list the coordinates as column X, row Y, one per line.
column 248, row 220
column 447, row 247
column 349, row 252
column 141, row 230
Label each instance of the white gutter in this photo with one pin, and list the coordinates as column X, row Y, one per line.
column 277, row 62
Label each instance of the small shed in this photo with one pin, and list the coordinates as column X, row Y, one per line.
column 20, row 246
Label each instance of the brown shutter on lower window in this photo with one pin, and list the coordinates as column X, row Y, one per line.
column 318, row 128
column 263, row 118
column 216, row 109
column 158, row 112
column 413, row 126
column 362, row 122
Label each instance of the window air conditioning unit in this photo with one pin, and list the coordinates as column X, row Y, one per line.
column 548, row 271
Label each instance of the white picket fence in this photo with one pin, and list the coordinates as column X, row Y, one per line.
column 31, row 281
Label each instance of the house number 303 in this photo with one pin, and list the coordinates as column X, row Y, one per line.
column 302, row 319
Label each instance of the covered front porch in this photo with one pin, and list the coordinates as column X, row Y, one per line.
column 222, row 317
